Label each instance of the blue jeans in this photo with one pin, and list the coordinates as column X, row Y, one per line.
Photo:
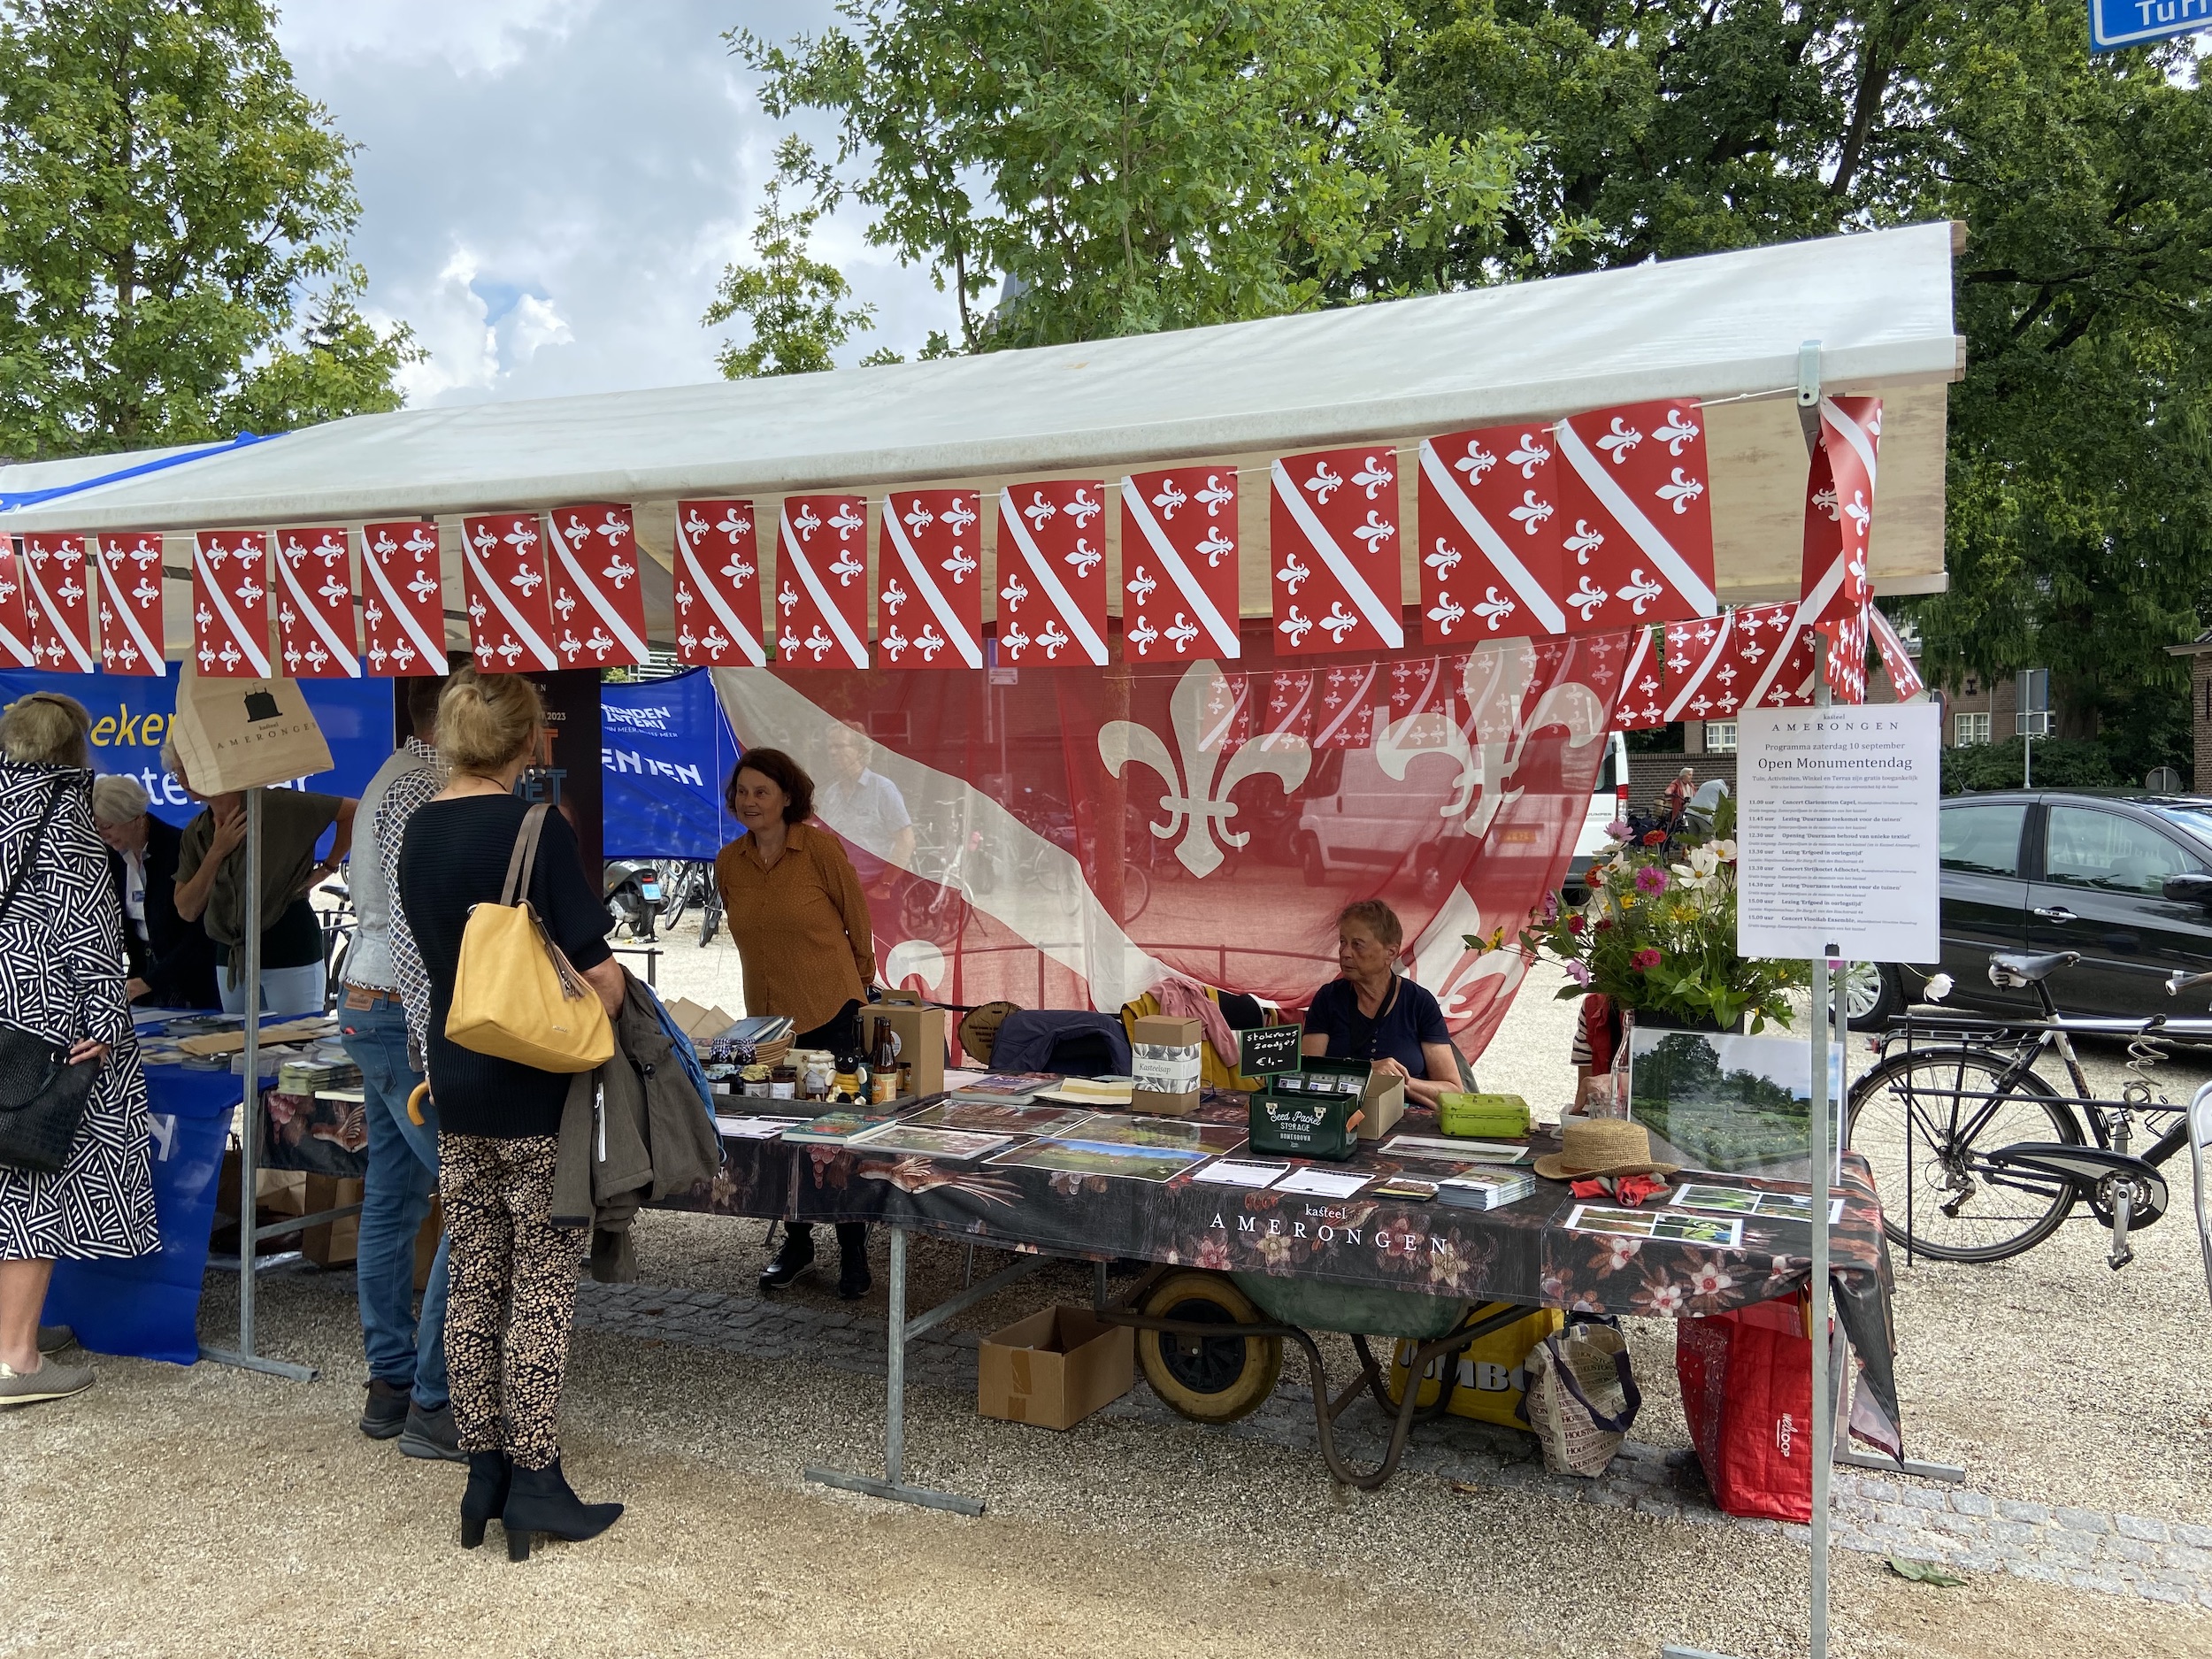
column 402, row 1174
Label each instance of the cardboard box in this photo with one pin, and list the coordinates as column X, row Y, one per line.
column 921, row 1033
column 332, row 1243
column 1166, row 1088
column 1383, row 1101
column 1054, row 1368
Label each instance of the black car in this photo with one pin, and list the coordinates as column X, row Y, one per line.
column 2125, row 879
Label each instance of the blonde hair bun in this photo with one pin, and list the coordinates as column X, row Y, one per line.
column 485, row 721
column 47, row 729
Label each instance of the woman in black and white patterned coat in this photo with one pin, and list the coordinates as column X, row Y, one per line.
column 61, row 976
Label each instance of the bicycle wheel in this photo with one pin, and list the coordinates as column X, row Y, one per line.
column 676, row 885
column 1927, row 1123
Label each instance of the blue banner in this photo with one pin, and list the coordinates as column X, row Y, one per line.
column 667, row 749
column 130, row 719
column 2116, row 23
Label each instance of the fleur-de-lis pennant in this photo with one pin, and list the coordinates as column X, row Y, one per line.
column 1640, row 706
column 1635, row 479
column 820, row 614
column 315, row 631
column 1284, row 711
column 15, row 624
column 717, row 585
column 1490, row 533
column 510, row 611
column 403, row 600
column 1904, row 673
column 1420, row 693
column 595, row 573
column 57, row 588
column 929, row 577
column 230, row 604
column 1754, row 657
column 1333, row 534
column 1179, row 561
column 132, row 634
column 1052, row 572
column 1834, row 588
column 1344, row 705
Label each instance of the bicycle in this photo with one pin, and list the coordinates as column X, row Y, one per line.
column 686, row 882
column 1990, row 1158
column 338, row 923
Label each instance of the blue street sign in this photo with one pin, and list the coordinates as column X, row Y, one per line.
column 2116, row 23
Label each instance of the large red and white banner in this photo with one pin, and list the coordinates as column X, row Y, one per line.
column 822, row 581
column 592, row 566
column 1052, row 574
column 1178, row 565
column 15, row 626
column 1637, row 514
column 1491, row 561
column 315, row 634
column 403, row 601
column 132, row 626
column 230, row 603
column 1335, row 532
column 56, row 583
column 929, row 580
column 717, row 585
column 510, row 611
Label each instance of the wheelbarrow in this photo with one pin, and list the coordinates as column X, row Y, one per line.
column 1210, row 1344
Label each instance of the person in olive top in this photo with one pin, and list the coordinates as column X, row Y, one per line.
column 211, row 888
column 800, row 919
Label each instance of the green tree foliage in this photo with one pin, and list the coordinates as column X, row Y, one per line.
column 794, row 303
column 2061, row 763
column 170, row 206
column 1135, row 164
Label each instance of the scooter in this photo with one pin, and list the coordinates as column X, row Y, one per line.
column 634, row 892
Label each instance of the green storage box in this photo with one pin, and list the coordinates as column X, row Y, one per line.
column 1482, row 1116
column 1303, row 1125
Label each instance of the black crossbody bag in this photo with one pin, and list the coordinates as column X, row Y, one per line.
column 42, row 1096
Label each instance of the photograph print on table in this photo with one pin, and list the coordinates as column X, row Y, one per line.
column 1090, row 1157
column 905, row 1140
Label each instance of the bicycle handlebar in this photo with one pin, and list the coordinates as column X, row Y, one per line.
column 2176, row 982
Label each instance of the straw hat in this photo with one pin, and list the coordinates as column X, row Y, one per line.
column 1602, row 1146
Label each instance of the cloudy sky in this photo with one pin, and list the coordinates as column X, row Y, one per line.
column 550, row 188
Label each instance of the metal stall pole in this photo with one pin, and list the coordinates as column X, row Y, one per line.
column 1822, row 1173
column 249, row 1231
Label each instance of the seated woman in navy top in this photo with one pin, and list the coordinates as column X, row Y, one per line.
column 1374, row 1012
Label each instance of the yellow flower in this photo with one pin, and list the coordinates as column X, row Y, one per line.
column 1683, row 913
column 1627, row 900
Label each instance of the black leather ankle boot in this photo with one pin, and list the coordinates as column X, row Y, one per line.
column 539, row 1500
column 795, row 1258
column 489, row 1474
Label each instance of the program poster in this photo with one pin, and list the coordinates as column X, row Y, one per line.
column 1836, row 832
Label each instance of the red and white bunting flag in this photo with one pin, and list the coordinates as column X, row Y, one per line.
column 510, row 611
column 1636, row 510
column 315, row 631
column 1334, row 530
column 1904, row 673
column 717, row 585
column 1052, row 572
column 822, row 582
column 131, row 622
column 1754, row 657
column 1639, row 707
column 593, row 562
column 230, row 603
column 929, row 580
column 1491, row 563
column 1421, row 693
column 57, row 584
column 1286, row 721
column 1840, row 509
column 403, row 601
column 1344, row 715
column 1178, row 565
column 1224, row 722
column 15, row 625
column 1847, row 654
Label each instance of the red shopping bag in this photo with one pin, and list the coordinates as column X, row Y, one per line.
column 1747, row 1391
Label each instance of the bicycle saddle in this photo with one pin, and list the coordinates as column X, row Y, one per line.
column 2012, row 967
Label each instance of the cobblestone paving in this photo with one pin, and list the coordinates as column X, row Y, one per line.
column 2122, row 1555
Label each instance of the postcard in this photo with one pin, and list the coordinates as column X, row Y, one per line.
column 1314, row 1182
column 1440, row 1147
column 1404, row 1186
column 1739, row 1201
column 999, row 1120
column 752, row 1128
column 957, row 1145
column 1090, row 1157
column 1658, row 1223
column 1227, row 1172
column 1128, row 1130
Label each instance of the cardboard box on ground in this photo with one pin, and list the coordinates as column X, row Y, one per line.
column 1054, row 1368
column 284, row 1193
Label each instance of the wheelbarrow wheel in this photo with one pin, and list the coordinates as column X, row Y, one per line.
column 1212, row 1379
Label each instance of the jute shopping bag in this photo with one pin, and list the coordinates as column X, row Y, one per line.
column 241, row 733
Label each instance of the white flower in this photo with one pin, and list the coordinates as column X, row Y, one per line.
column 1689, row 876
column 1938, row 988
column 1724, row 851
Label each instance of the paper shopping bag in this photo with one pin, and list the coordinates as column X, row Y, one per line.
column 241, row 733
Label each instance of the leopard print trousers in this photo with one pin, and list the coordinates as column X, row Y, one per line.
column 514, row 1293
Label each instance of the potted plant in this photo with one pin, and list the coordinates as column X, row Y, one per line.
column 1657, row 934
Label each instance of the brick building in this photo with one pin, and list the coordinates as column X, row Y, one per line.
column 2199, row 651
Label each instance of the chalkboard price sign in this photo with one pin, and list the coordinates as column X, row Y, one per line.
column 1269, row 1048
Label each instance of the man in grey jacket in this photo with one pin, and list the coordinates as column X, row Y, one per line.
column 407, row 1373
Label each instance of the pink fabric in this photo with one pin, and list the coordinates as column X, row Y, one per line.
column 1186, row 998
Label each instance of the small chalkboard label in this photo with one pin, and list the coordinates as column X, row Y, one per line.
column 1269, row 1048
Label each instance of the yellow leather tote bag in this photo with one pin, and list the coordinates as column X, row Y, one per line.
column 515, row 995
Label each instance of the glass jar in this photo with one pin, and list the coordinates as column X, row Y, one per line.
column 783, row 1083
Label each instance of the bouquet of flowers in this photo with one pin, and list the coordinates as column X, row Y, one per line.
column 1658, row 931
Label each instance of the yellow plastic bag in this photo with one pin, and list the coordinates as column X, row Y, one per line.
column 1492, row 1370
column 515, row 995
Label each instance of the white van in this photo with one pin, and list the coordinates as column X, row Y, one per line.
column 1608, row 802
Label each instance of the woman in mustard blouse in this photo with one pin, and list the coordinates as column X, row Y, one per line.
column 800, row 919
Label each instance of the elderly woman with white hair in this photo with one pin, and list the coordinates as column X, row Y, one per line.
column 171, row 961
column 61, row 989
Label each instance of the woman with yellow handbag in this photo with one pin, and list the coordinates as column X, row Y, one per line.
column 511, row 936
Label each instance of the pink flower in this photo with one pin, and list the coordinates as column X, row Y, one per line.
column 1616, row 831
column 1551, row 907
column 1579, row 972
column 1646, row 959
column 1651, row 879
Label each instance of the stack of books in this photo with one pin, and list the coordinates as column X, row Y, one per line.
column 314, row 1077
column 1485, row 1187
column 1004, row 1088
column 1100, row 1093
column 835, row 1128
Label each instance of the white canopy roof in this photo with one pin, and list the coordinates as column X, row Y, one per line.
column 1727, row 326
